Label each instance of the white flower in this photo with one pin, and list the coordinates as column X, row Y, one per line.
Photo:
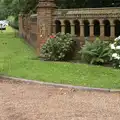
column 116, row 56
column 118, row 47
column 112, row 46
column 118, row 38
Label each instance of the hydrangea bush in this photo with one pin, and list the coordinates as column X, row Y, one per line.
column 58, row 47
column 115, row 57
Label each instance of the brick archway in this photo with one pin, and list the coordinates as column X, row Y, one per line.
column 67, row 26
column 96, row 24
column 77, row 27
column 117, row 28
column 107, row 30
column 57, row 26
column 86, row 28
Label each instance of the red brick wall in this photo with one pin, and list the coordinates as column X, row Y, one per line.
column 28, row 29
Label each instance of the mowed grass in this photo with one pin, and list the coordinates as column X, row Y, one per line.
column 16, row 60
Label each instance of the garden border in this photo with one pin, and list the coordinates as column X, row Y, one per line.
column 60, row 85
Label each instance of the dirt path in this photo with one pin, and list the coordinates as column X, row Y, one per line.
column 20, row 101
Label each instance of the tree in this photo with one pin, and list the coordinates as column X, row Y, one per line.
column 14, row 7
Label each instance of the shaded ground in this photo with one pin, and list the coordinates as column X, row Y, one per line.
column 22, row 101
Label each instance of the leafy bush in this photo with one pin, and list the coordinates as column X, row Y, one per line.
column 96, row 52
column 115, row 56
column 59, row 47
column 13, row 22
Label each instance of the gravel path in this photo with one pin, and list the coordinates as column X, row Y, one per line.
column 22, row 101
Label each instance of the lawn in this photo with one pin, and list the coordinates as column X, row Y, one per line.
column 16, row 60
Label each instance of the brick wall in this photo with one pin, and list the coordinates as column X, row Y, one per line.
column 36, row 28
column 28, row 29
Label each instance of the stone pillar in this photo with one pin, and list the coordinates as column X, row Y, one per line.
column 81, row 30
column 91, row 30
column 72, row 29
column 112, row 27
column 62, row 28
column 102, row 30
column 54, row 29
column 45, row 10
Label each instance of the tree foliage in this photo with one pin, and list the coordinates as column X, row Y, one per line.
column 14, row 7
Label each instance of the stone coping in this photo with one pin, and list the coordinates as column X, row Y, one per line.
column 103, row 8
column 88, row 11
column 60, row 85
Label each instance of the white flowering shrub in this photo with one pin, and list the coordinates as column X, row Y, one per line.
column 115, row 57
column 58, row 47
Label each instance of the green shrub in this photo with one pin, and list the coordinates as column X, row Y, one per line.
column 13, row 22
column 96, row 52
column 58, row 47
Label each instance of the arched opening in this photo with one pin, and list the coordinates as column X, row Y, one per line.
column 117, row 28
column 86, row 28
column 57, row 26
column 67, row 27
column 77, row 27
column 96, row 28
column 106, row 28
